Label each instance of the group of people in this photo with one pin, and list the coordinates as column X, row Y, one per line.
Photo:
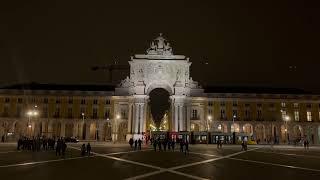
column 137, row 143
column 306, row 144
column 42, row 143
column 163, row 144
column 86, row 149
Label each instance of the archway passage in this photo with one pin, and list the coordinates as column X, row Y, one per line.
column 69, row 130
column 159, row 104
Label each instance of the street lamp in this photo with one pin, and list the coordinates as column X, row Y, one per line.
column 83, row 137
column 286, row 120
column 31, row 113
column 209, row 119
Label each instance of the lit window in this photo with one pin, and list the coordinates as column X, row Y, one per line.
column 219, row 127
column 296, row 115
column 309, row 116
column 194, row 114
column 295, row 105
column 123, row 113
column 283, row 115
column 192, row 126
column 283, row 104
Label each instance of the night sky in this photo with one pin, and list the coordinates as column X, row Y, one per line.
column 254, row 44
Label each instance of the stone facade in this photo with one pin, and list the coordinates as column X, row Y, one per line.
column 106, row 113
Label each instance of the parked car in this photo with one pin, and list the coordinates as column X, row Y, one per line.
column 71, row 139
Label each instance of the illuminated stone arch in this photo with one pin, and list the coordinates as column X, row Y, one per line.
column 235, row 127
column 122, row 131
column 93, row 131
column 69, row 127
column 260, row 132
column 108, row 131
column 247, row 128
column 297, row 132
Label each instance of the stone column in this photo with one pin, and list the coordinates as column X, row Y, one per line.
column 172, row 124
column 142, row 117
column 176, row 118
column 188, row 116
column 145, row 110
column 130, row 120
column 181, row 117
column 137, row 118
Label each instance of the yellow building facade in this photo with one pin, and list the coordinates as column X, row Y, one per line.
column 118, row 113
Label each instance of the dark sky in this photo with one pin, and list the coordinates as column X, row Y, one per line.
column 245, row 43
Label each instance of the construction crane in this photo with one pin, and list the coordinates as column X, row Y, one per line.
column 110, row 68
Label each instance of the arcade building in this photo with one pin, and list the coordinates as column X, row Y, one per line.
column 118, row 113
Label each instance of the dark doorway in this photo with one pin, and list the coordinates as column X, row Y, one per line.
column 84, row 131
column 159, row 104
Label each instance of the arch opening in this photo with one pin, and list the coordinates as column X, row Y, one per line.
column 159, row 104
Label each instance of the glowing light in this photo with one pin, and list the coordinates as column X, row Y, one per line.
column 209, row 117
column 29, row 126
column 118, row 116
column 29, row 113
column 219, row 127
column 287, row 118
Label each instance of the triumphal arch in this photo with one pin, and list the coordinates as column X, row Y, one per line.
column 159, row 67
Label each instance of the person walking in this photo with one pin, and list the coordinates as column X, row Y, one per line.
column 83, row 149
column 64, row 147
column 131, row 142
column 58, row 148
column 154, row 143
column 139, row 144
column 159, row 144
column 220, row 144
column 135, row 144
column 173, row 144
column 88, row 149
column 181, row 146
column 186, row 145
column 165, row 145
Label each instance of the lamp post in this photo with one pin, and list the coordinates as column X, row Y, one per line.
column 209, row 119
column 286, row 119
column 233, row 131
column 116, row 127
column 30, row 114
column 83, row 137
